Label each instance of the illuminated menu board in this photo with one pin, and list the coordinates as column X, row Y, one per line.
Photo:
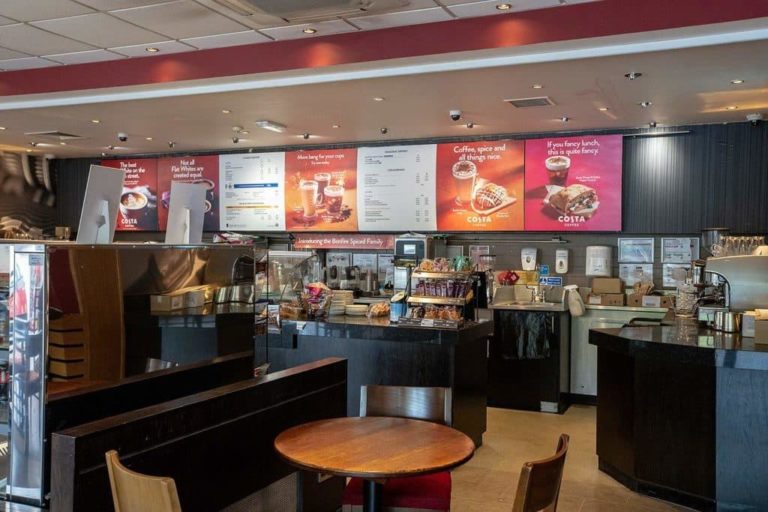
column 203, row 170
column 252, row 192
column 138, row 202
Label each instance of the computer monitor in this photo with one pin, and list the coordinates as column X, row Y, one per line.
column 98, row 217
column 185, row 213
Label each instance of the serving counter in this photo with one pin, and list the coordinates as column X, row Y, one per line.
column 380, row 352
column 683, row 414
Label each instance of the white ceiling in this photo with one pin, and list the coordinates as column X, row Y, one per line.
column 686, row 86
column 42, row 33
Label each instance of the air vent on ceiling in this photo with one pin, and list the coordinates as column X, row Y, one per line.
column 542, row 101
column 310, row 10
column 55, row 135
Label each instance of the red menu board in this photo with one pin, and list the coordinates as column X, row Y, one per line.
column 138, row 203
column 321, row 190
column 480, row 186
column 190, row 169
column 573, row 183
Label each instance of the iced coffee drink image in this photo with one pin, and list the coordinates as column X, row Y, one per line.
column 464, row 175
column 334, row 197
column 308, row 195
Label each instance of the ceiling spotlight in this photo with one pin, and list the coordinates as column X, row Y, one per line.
column 306, row 136
column 603, row 109
column 149, row 138
column 151, row 49
column 645, row 104
column 33, row 144
column 537, row 86
column 29, row 151
column 632, row 75
column 235, row 139
column 95, row 121
column 62, row 143
column 731, row 107
column 271, row 126
column 171, row 144
column 310, row 30
column 378, row 98
column 565, row 119
column 652, row 124
column 2, row 128
column 504, row 7
column 384, row 130
column 335, row 126
column 244, row 132
column 737, row 81
column 226, row 111
column 110, row 147
column 103, row 154
column 470, row 125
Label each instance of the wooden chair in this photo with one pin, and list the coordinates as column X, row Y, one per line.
column 539, row 484
column 428, row 493
column 134, row 492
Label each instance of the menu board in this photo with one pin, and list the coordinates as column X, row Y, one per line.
column 202, row 170
column 321, row 190
column 396, row 188
column 252, row 191
column 573, row 183
column 138, row 202
column 480, row 186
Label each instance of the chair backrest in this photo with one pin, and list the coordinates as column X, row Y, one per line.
column 539, row 484
column 431, row 404
column 134, row 492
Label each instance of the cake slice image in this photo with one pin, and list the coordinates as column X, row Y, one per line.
column 575, row 200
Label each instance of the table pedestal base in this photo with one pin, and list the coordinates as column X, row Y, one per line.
column 372, row 492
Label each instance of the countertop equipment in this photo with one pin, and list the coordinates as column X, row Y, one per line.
column 351, row 278
column 745, row 278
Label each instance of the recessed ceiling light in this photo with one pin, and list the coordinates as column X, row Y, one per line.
column 504, row 7
column 603, row 109
column 633, row 75
column 378, row 98
column 271, row 126
column 29, row 151
column 149, row 138
column 731, row 107
column 335, row 126
column 62, row 143
column 310, row 30
column 33, row 144
column 103, row 154
column 2, row 128
column 226, row 111
column 95, row 121
column 470, row 125
column 110, row 147
column 151, row 49
column 244, row 132
column 645, row 104
column 537, row 86
column 737, row 81
column 565, row 119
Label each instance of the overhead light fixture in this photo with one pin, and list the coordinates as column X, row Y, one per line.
column 306, row 136
column 633, row 75
column 603, row 109
column 29, row 151
column 652, row 124
column 95, row 121
column 149, row 138
column 537, row 86
column 645, row 104
column 384, row 130
column 244, row 132
column 226, row 111
column 33, row 144
column 310, row 30
column 335, row 126
column 2, row 128
column 271, row 126
column 737, row 81
column 731, row 107
column 504, row 7
column 565, row 119
column 378, row 98
column 151, row 49
column 110, row 147
column 470, row 125
column 103, row 154
column 171, row 144
column 62, row 143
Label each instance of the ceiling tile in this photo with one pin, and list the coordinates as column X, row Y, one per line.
column 25, row 63
column 323, row 28
column 32, row 10
column 99, row 29
column 181, row 19
column 83, row 57
column 6, row 21
column 111, row 5
column 222, row 40
column 32, row 40
column 483, row 8
column 5, row 53
column 165, row 47
column 395, row 19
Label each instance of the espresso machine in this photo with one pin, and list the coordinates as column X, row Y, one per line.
column 740, row 280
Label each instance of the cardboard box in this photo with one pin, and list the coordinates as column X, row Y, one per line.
column 651, row 301
column 168, row 302
column 612, row 285
column 606, row 299
column 635, row 300
column 761, row 331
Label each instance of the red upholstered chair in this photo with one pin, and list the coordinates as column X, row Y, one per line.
column 412, row 494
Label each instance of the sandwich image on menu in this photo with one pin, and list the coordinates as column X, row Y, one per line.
column 479, row 184
column 573, row 183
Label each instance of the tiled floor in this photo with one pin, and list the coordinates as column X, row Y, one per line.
column 487, row 483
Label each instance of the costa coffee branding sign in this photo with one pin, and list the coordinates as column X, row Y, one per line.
column 319, row 241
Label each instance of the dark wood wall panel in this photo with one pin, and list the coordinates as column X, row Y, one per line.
column 716, row 175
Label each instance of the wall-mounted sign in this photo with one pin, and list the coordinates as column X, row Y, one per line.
column 251, row 192
column 573, row 183
column 343, row 241
column 203, row 170
column 138, row 203
column 480, row 186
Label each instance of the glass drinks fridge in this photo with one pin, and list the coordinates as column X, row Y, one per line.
column 464, row 175
column 308, row 194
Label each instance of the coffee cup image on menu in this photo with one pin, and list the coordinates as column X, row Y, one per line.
column 209, row 185
column 308, row 196
column 133, row 204
column 464, row 175
column 557, row 168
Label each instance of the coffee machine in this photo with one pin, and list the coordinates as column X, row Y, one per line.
column 743, row 281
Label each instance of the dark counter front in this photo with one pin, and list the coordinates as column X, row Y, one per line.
column 683, row 414
column 380, row 352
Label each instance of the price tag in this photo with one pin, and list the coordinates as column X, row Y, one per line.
column 428, row 322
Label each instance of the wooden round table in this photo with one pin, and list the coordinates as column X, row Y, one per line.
column 374, row 449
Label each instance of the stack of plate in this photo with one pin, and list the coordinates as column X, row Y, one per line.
column 341, row 298
column 356, row 309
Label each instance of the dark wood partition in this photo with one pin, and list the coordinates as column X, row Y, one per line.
column 217, row 444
